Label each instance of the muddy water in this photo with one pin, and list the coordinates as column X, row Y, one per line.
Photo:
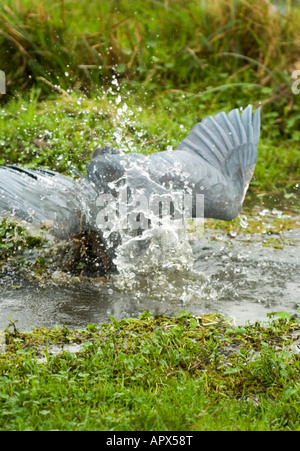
column 236, row 276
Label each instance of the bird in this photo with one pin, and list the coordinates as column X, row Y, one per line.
column 216, row 160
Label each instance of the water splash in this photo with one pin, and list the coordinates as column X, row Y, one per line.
column 158, row 262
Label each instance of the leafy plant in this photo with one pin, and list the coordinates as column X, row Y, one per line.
column 14, row 238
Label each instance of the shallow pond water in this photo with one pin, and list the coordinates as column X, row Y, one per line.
column 237, row 276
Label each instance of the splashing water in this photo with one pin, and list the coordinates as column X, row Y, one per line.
column 158, row 264
column 161, row 270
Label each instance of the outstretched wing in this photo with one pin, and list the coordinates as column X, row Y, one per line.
column 45, row 197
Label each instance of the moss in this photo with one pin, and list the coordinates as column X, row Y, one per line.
column 268, row 227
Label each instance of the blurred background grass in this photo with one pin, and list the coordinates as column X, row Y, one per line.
column 167, row 63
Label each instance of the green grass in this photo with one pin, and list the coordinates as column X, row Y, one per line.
column 217, row 54
column 138, row 75
column 184, row 373
column 62, row 133
column 14, row 237
column 152, row 40
column 71, row 67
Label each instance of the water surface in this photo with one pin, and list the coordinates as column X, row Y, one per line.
column 236, row 276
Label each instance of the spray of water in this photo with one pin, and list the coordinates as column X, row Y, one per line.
column 157, row 260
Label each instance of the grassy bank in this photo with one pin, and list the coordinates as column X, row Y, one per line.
column 165, row 44
column 184, row 373
column 138, row 75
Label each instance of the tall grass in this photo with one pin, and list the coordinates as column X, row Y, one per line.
column 218, row 52
column 172, row 43
column 198, row 55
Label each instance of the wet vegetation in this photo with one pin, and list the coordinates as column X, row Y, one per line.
column 185, row 373
column 268, row 227
column 14, row 237
column 138, row 75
